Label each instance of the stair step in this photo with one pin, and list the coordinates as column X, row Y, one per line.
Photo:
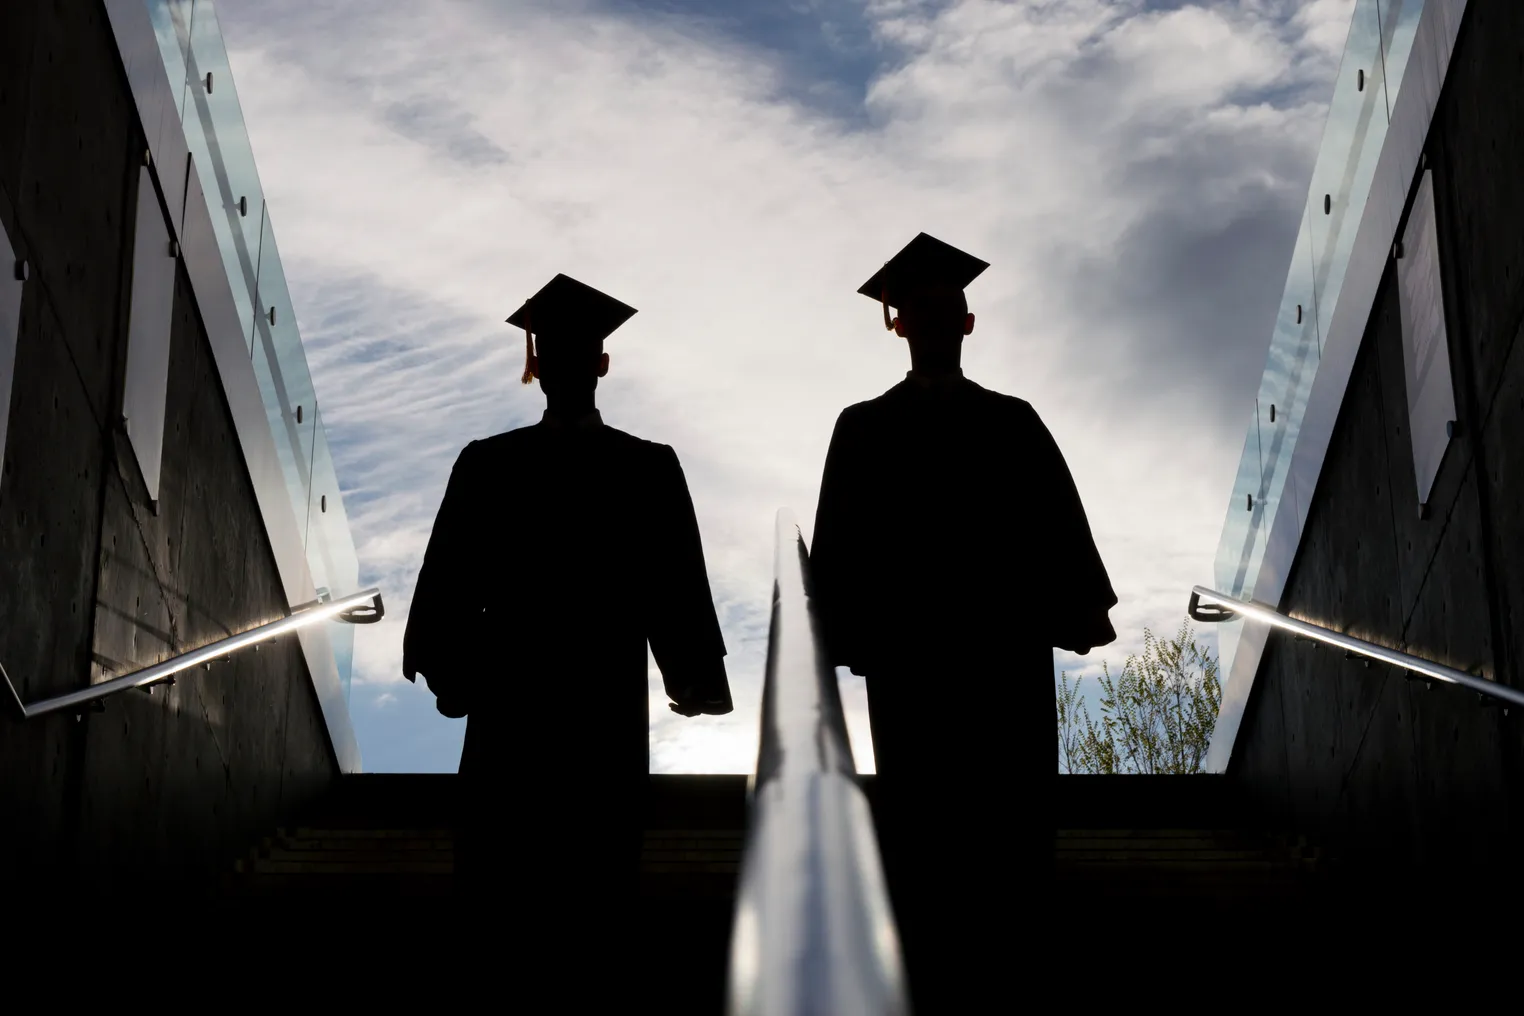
column 354, row 856
column 1146, row 856
column 263, row 866
column 706, row 868
column 364, row 832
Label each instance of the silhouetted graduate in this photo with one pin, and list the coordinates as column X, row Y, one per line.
column 560, row 550
column 950, row 554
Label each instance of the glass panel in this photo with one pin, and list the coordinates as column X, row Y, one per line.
column 1399, row 25
column 219, row 147
column 331, row 550
column 284, row 383
column 1352, row 137
column 235, row 190
column 195, row 57
column 1289, row 370
column 1236, row 552
column 171, row 24
column 1242, row 545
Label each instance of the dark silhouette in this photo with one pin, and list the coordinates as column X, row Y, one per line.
column 951, row 553
column 560, row 550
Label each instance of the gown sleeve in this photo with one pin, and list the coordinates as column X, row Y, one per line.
column 834, row 552
column 684, row 630
column 446, row 590
column 1081, row 594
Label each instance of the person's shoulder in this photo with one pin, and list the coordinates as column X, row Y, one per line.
column 1010, row 406
column 624, row 439
column 878, row 406
column 507, row 442
column 634, row 446
column 492, row 452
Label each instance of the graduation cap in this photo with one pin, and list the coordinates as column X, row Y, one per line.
column 566, row 308
column 924, row 261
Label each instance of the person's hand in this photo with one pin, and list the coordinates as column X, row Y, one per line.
column 1097, row 633
column 687, row 705
column 454, row 708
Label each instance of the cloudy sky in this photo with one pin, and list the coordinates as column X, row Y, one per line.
column 1132, row 170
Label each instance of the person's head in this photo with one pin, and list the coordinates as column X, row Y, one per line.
column 933, row 314
column 568, row 365
column 924, row 282
column 567, row 356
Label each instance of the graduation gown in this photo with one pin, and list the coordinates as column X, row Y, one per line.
column 950, row 554
column 949, row 527
column 559, row 552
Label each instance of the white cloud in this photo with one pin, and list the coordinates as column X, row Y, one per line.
column 430, row 164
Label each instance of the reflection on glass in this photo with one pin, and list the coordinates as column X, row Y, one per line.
column 1236, row 559
column 330, row 548
column 1352, row 137
column 1399, row 25
column 171, row 21
column 292, row 452
column 228, row 175
column 204, row 142
column 1289, row 370
column 290, row 401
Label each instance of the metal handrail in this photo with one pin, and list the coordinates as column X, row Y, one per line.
column 813, row 929
column 1228, row 607
column 364, row 607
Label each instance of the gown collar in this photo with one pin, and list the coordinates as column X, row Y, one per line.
column 948, row 379
column 587, row 421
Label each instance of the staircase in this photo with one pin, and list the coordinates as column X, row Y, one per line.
column 1181, row 846
column 1173, row 841
column 379, row 853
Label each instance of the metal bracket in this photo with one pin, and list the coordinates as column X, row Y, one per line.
column 364, row 614
column 1209, row 613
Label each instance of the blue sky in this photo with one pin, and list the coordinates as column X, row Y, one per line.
column 1133, row 172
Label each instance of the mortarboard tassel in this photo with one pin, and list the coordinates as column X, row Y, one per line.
column 884, row 299
column 528, row 350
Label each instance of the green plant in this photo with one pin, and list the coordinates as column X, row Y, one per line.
column 1157, row 712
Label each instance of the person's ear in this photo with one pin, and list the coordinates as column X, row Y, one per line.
column 968, row 324
column 603, row 365
column 899, row 328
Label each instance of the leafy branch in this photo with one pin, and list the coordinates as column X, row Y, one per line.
column 1157, row 712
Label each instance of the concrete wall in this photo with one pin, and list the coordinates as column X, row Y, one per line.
column 93, row 582
column 1389, row 769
